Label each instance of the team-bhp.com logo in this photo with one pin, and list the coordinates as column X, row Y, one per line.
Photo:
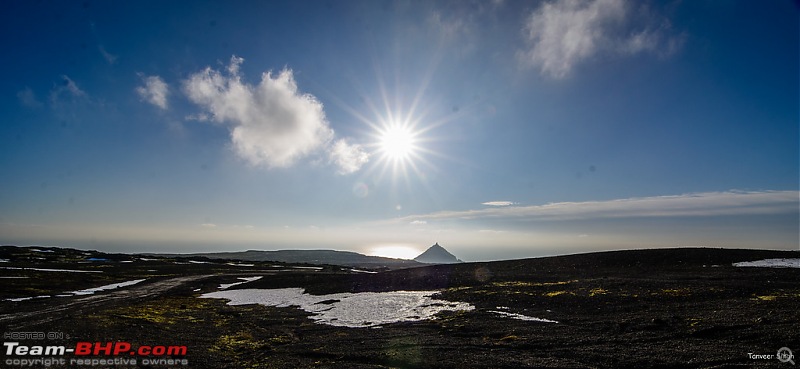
column 94, row 353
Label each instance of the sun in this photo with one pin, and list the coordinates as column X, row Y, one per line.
column 397, row 142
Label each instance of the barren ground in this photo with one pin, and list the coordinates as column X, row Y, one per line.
column 679, row 308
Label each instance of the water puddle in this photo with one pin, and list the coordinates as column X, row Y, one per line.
column 364, row 309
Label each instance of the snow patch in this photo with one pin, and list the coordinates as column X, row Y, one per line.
column 18, row 299
column 112, row 286
column 55, row 270
column 770, row 263
column 245, row 279
column 361, row 271
column 522, row 317
column 88, row 291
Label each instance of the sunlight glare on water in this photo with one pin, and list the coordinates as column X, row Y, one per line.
column 365, row 309
column 395, row 252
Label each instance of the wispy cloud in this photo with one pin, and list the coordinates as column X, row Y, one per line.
column 154, row 91
column 28, row 98
column 69, row 102
column 272, row 123
column 688, row 205
column 498, row 203
column 492, row 231
column 110, row 58
column 66, row 89
column 563, row 33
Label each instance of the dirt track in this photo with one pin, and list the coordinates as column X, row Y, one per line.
column 76, row 305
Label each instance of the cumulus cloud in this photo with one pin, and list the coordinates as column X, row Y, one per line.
column 698, row 204
column 563, row 33
column 154, row 91
column 348, row 157
column 498, row 203
column 271, row 124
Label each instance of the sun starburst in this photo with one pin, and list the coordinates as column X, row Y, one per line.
column 397, row 142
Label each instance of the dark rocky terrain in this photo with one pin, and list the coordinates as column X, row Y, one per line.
column 668, row 308
column 331, row 257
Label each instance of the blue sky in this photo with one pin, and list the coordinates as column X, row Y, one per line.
column 499, row 129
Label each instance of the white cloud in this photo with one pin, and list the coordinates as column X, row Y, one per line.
column 154, row 91
column 28, row 98
column 562, row 33
column 272, row 123
column 418, row 222
column 698, row 204
column 349, row 158
column 498, row 203
column 208, row 225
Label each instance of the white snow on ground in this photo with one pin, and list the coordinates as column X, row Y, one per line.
column 240, row 265
column 3, row 260
column 770, row 263
column 55, row 270
column 522, row 317
column 112, row 286
column 311, row 268
column 28, row 298
column 365, row 309
column 245, row 279
column 360, row 271
column 199, row 262
column 87, row 291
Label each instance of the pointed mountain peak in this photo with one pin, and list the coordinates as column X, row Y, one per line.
column 437, row 255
